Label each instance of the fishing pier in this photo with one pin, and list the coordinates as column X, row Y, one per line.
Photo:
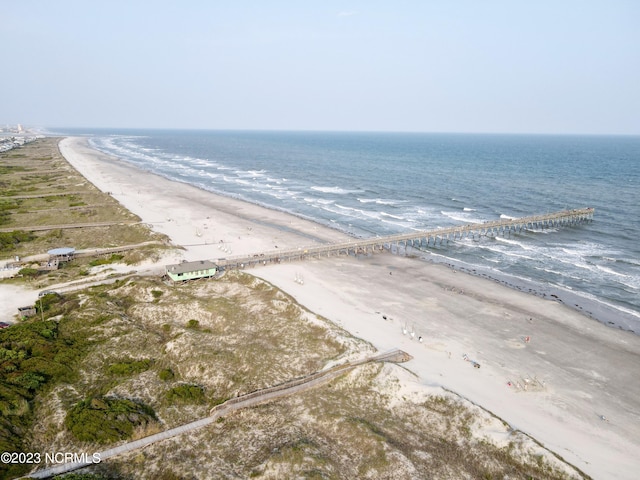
column 417, row 240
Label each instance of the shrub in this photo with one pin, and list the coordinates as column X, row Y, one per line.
column 166, row 374
column 130, row 367
column 28, row 272
column 186, row 394
column 33, row 355
column 5, row 211
column 106, row 420
column 48, row 301
column 193, row 324
column 105, row 261
column 10, row 240
column 30, row 380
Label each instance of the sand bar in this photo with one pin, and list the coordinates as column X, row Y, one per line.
column 565, row 379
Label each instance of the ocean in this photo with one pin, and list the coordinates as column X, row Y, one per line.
column 369, row 184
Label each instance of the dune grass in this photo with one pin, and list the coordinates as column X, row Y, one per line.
column 39, row 188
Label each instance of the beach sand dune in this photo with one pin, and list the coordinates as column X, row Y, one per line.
column 565, row 379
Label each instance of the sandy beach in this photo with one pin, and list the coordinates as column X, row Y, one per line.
column 549, row 371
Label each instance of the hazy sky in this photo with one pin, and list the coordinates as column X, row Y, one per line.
column 543, row 66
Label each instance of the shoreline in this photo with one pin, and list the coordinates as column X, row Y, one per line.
column 593, row 308
column 580, row 360
column 244, row 226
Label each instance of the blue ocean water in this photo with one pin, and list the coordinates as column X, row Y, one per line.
column 371, row 184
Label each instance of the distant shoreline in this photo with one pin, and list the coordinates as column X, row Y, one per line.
column 83, row 132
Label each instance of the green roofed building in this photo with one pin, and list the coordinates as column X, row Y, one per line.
column 191, row 270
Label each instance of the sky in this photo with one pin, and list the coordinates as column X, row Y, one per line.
column 490, row 66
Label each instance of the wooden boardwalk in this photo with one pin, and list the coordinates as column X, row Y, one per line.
column 245, row 401
column 416, row 240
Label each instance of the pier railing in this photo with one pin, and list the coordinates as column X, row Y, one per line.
column 422, row 239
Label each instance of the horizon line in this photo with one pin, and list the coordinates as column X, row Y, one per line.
column 276, row 130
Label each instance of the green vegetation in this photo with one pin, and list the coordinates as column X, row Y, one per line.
column 33, row 356
column 130, row 367
column 193, row 324
column 4, row 169
column 48, row 302
column 186, row 394
column 105, row 420
column 5, row 210
column 28, row 272
column 114, row 258
column 11, row 240
column 166, row 374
